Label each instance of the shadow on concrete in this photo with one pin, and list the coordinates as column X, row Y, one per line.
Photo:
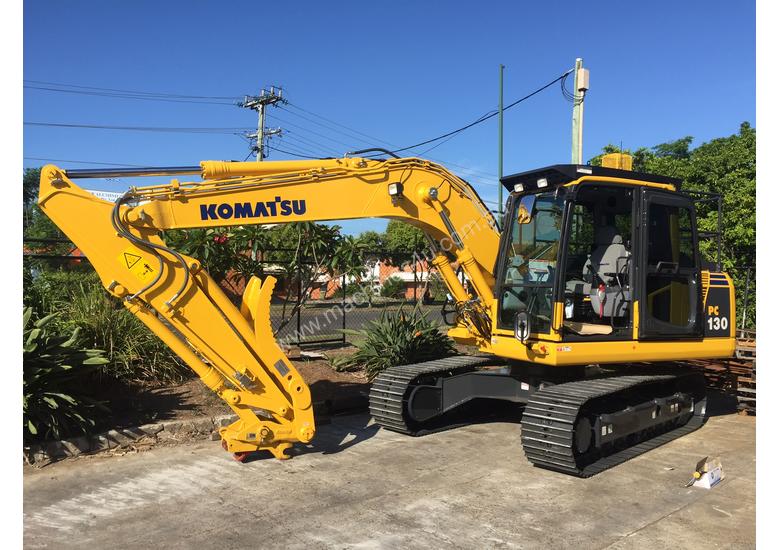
column 338, row 435
column 342, row 432
column 338, row 397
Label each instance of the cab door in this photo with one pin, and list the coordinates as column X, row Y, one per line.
column 669, row 270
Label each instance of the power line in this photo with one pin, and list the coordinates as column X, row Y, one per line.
column 289, row 153
column 343, row 133
column 373, row 139
column 472, row 176
column 127, row 96
column 159, row 96
column 150, row 94
column 486, row 116
column 184, row 130
column 301, row 149
column 338, row 152
column 302, row 146
column 297, row 151
column 182, row 98
column 288, row 123
column 85, row 162
column 292, row 135
column 568, row 95
column 377, row 140
column 435, row 146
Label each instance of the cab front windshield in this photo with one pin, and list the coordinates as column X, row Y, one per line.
column 531, row 261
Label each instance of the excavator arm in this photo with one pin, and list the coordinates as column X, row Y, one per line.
column 234, row 350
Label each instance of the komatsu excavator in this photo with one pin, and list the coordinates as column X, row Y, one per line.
column 580, row 309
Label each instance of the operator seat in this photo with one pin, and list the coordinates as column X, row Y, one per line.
column 609, row 266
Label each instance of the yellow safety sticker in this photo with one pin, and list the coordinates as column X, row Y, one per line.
column 133, row 259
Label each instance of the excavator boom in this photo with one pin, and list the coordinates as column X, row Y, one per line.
column 234, row 350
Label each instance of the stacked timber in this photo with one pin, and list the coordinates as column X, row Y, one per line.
column 745, row 357
column 737, row 375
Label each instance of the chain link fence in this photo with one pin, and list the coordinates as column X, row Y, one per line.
column 310, row 308
column 322, row 309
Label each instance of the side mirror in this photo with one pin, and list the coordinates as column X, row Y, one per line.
column 522, row 326
column 525, row 209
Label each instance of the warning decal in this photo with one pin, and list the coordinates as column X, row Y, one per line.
column 133, row 259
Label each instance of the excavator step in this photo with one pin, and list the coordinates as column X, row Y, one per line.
column 389, row 393
column 552, row 437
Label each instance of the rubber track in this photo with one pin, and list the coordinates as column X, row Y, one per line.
column 549, row 417
column 389, row 389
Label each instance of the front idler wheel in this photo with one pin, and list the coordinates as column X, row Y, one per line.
column 583, row 435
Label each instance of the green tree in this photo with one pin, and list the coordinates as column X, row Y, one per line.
column 30, row 183
column 393, row 287
column 349, row 258
column 402, row 238
column 304, row 251
column 37, row 228
column 214, row 248
column 36, row 224
column 372, row 240
column 396, row 243
column 677, row 149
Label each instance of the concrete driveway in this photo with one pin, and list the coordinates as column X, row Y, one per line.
column 363, row 487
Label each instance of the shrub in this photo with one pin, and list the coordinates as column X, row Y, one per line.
column 134, row 352
column 353, row 288
column 437, row 288
column 54, row 369
column 45, row 290
column 396, row 338
column 360, row 294
column 393, row 287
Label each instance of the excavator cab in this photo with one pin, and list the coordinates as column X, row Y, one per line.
column 592, row 254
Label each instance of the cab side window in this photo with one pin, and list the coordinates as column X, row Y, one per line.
column 670, row 235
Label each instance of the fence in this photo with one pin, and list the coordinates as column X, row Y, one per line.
column 745, row 289
column 310, row 307
column 308, row 310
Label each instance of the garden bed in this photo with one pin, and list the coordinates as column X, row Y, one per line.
column 137, row 405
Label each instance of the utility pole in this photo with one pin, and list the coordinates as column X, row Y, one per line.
column 500, row 143
column 258, row 103
column 581, row 85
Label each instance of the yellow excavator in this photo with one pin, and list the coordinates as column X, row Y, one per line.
column 580, row 308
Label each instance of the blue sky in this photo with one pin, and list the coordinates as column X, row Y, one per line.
column 400, row 72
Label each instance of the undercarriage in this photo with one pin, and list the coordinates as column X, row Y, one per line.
column 583, row 421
